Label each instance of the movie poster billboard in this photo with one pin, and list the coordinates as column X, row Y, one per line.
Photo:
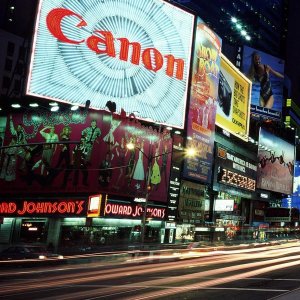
column 267, row 75
column 233, row 105
column 203, row 103
column 276, row 163
column 114, row 51
column 74, row 152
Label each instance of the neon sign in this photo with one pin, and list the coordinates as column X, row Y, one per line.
column 237, row 180
column 133, row 211
column 75, row 207
column 136, row 59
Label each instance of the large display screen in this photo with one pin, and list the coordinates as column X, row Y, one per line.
column 276, row 163
column 267, row 75
column 234, row 169
column 203, row 103
column 134, row 53
column 234, row 95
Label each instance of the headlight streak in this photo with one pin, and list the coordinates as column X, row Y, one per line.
column 73, row 279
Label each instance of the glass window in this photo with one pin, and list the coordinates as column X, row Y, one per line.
column 10, row 48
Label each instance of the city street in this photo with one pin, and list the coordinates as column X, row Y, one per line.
column 253, row 273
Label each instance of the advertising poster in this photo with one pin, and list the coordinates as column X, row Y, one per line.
column 191, row 202
column 276, row 163
column 51, row 152
column 203, row 103
column 233, row 105
column 116, row 51
column 267, row 75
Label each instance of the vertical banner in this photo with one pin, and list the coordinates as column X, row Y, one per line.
column 276, row 163
column 267, row 75
column 203, row 98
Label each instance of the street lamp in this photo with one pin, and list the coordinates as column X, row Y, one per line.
column 189, row 152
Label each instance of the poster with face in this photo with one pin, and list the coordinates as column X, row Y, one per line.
column 267, row 75
column 84, row 152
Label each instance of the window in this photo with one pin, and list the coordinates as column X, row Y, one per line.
column 17, row 85
column 8, row 64
column 10, row 49
column 22, row 51
column 19, row 68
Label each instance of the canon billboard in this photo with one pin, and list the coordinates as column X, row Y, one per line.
column 138, row 57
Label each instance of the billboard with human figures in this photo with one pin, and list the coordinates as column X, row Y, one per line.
column 46, row 153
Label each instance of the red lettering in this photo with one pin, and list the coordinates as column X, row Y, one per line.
column 171, row 66
column 152, row 59
column 54, row 19
column 136, row 51
column 62, row 207
column 93, row 43
column 156, row 56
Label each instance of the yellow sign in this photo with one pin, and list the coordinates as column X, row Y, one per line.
column 233, row 109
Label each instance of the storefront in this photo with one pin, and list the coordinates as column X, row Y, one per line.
column 192, row 210
column 234, row 183
column 79, row 224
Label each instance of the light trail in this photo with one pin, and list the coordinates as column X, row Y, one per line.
column 72, row 280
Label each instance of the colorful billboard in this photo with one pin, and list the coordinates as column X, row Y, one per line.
column 267, row 74
column 276, row 163
column 48, row 153
column 234, row 95
column 84, row 50
column 203, row 103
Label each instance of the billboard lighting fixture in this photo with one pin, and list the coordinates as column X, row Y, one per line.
column 243, row 32
column 54, row 108
column 234, row 20
column 16, row 105
column 33, row 105
column 238, row 26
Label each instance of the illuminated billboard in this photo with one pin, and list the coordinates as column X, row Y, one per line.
column 80, row 151
column 138, row 57
column 267, row 75
column 234, row 97
column 203, row 103
column 276, row 163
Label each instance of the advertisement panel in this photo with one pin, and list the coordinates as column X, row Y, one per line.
column 52, row 152
column 267, row 74
column 294, row 199
column 84, row 50
column 203, row 103
column 234, row 95
column 276, row 163
column 191, row 202
column 234, row 169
